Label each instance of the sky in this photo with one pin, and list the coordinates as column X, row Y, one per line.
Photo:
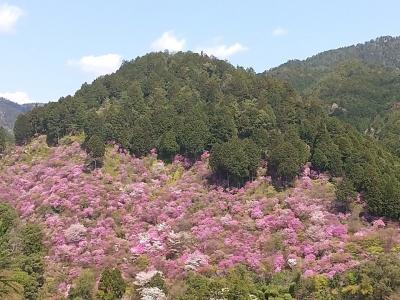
column 48, row 48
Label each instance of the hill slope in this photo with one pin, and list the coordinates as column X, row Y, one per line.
column 381, row 52
column 145, row 215
column 357, row 84
column 186, row 103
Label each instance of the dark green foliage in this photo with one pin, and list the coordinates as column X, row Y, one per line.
column 33, row 266
column 382, row 52
column 96, row 149
column 382, row 194
column 168, row 145
column 141, row 139
column 95, row 146
column 8, row 220
column 111, row 286
column 345, row 193
column 94, row 125
column 3, row 140
column 326, row 155
column 56, row 115
column 357, row 84
column 235, row 160
column 386, row 129
column 24, row 264
column 8, row 216
column 252, row 119
column 83, row 287
column 222, row 124
column 6, row 139
column 32, row 239
column 22, row 129
column 240, row 284
column 287, row 157
column 30, row 287
column 193, row 132
column 115, row 127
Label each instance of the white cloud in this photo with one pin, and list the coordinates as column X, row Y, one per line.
column 9, row 15
column 224, row 51
column 279, row 31
column 18, row 97
column 97, row 65
column 168, row 41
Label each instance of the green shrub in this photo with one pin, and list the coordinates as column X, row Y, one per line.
column 111, row 286
column 32, row 237
column 83, row 287
column 8, row 217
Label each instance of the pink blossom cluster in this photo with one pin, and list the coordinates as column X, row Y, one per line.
column 168, row 213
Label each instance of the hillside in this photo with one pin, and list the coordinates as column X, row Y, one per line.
column 144, row 216
column 382, row 52
column 181, row 174
column 186, row 103
column 357, row 84
column 9, row 112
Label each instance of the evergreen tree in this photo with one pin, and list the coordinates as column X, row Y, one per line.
column 168, row 145
column 287, row 158
column 22, row 129
column 345, row 193
column 235, row 160
column 326, row 155
column 111, row 286
column 3, row 140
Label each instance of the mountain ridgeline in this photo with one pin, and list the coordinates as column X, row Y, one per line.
column 186, row 104
column 9, row 112
column 380, row 52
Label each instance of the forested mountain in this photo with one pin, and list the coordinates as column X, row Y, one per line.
column 180, row 176
column 383, row 52
column 187, row 103
column 358, row 84
column 10, row 110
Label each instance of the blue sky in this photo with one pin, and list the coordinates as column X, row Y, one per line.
column 48, row 48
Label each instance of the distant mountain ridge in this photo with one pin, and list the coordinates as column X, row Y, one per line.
column 9, row 112
column 359, row 84
column 301, row 74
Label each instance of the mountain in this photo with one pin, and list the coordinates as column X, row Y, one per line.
column 180, row 176
column 359, row 84
column 9, row 112
column 302, row 74
column 186, row 103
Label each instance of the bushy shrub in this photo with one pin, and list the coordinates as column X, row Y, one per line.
column 8, row 217
column 32, row 239
column 111, row 286
column 83, row 287
column 75, row 233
